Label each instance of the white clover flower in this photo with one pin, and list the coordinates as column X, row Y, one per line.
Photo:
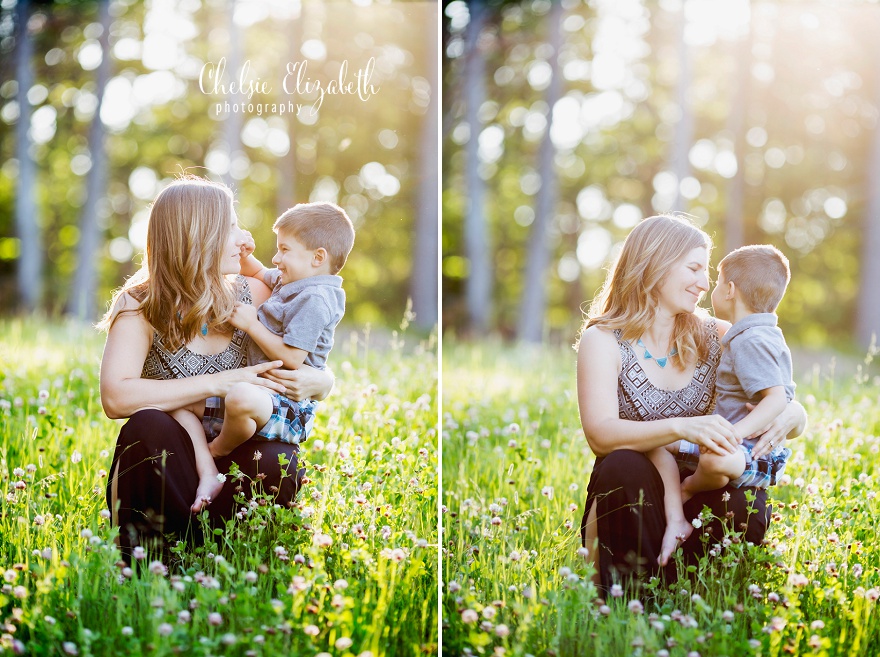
column 215, row 619
column 502, row 630
column 469, row 617
column 76, row 457
column 311, row 630
column 343, row 643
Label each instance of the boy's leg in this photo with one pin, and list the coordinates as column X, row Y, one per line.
column 248, row 407
column 677, row 527
column 713, row 471
column 190, row 419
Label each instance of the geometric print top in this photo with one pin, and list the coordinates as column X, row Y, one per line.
column 638, row 399
column 164, row 364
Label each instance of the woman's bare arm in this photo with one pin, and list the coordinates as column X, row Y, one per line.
column 123, row 391
column 597, row 372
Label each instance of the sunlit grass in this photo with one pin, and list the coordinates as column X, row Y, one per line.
column 350, row 571
column 516, row 466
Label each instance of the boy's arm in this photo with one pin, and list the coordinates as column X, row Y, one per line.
column 773, row 402
column 252, row 267
column 245, row 318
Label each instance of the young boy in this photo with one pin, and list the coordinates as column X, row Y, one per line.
column 295, row 325
column 755, row 368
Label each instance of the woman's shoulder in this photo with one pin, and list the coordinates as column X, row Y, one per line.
column 718, row 327
column 597, row 340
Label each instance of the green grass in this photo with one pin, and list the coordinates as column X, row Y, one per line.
column 266, row 585
column 515, row 470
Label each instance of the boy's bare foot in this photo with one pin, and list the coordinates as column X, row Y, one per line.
column 216, row 451
column 676, row 533
column 209, row 487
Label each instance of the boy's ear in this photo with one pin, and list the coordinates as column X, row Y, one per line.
column 319, row 257
column 731, row 290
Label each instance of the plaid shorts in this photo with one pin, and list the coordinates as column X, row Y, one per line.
column 291, row 421
column 759, row 473
column 212, row 419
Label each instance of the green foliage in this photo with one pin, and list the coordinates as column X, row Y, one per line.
column 352, row 568
column 176, row 127
column 516, row 466
column 804, row 139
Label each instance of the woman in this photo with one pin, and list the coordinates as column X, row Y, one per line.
column 647, row 360
column 169, row 344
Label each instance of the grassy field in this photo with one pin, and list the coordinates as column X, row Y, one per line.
column 515, row 470
column 351, row 571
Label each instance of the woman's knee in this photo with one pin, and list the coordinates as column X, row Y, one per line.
column 623, row 467
column 150, row 427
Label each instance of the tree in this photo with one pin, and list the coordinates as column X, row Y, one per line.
column 734, row 235
column 233, row 123
column 30, row 260
column 684, row 130
column 868, row 313
column 479, row 281
column 287, row 177
column 82, row 295
column 534, row 300
column 423, row 284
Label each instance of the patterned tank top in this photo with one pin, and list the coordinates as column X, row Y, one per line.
column 161, row 363
column 638, row 399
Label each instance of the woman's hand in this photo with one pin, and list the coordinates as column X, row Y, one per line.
column 303, row 383
column 251, row 374
column 711, row 432
column 792, row 420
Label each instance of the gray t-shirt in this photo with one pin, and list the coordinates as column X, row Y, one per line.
column 304, row 313
column 755, row 358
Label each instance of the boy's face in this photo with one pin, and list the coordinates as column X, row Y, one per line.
column 722, row 306
column 293, row 260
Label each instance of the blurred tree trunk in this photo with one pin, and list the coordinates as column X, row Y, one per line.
column 734, row 233
column 82, row 297
column 423, row 285
column 533, row 307
column 479, row 256
column 286, row 195
column 868, row 311
column 27, row 221
column 684, row 130
column 233, row 123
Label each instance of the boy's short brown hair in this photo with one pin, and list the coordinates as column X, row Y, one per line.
column 760, row 273
column 317, row 225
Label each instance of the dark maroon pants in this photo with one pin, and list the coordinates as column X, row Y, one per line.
column 157, row 480
column 628, row 493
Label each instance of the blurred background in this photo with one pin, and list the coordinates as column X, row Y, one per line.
column 566, row 122
column 100, row 107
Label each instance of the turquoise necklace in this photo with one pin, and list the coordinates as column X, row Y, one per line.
column 660, row 361
column 204, row 328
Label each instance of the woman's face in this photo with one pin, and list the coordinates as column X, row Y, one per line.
column 231, row 255
column 686, row 282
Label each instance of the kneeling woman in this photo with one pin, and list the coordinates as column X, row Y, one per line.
column 169, row 345
column 647, row 361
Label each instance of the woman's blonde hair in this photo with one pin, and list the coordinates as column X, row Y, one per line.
column 629, row 298
column 180, row 285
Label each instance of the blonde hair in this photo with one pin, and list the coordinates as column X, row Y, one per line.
column 180, row 285
column 760, row 273
column 629, row 298
column 319, row 225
